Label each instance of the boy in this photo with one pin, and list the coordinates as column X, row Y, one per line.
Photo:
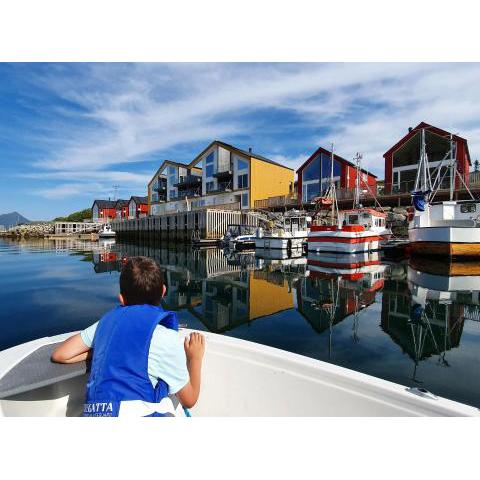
column 138, row 358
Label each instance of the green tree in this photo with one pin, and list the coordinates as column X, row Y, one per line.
column 79, row 216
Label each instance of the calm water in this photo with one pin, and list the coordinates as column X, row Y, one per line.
column 411, row 324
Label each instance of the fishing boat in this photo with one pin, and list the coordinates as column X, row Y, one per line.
column 267, row 382
column 286, row 232
column 239, row 237
column 106, row 231
column 450, row 228
column 350, row 231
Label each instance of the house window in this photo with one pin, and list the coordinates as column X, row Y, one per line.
column 310, row 191
column 242, row 164
column 209, row 165
column 242, row 181
column 172, row 193
column 244, row 200
column 210, row 186
column 320, row 167
column 396, row 178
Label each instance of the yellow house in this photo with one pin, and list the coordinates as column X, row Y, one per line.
column 221, row 176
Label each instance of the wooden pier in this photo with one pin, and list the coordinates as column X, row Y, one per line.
column 194, row 227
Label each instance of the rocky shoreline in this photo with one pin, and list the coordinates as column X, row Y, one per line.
column 31, row 230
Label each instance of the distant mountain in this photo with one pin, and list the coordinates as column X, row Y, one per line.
column 14, row 218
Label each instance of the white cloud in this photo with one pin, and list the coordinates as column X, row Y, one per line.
column 128, row 112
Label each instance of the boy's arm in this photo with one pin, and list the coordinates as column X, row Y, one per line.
column 72, row 350
column 194, row 350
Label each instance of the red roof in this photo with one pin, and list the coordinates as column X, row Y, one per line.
column 335, row 156
column 430, row 128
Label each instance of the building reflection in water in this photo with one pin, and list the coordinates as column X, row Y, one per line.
column 423, row 304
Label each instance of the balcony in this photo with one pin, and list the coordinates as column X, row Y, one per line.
column 222, row 187
column 224, row 175
column 188, row 182
column 190, row 193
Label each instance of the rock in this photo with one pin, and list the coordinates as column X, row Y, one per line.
column 32, row 230
column 398, row 217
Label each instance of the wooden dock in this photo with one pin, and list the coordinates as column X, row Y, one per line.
column 194, row 227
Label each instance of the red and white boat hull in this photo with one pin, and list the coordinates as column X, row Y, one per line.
column 349, row 239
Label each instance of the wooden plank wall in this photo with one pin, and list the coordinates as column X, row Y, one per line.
column 184, row 227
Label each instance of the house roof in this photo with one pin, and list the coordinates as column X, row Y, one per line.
column 430, row 128
column 121, row 203
column 139, row 200
column 175, row 164
column 238, row 150
column 335, row 156
column 104, row 203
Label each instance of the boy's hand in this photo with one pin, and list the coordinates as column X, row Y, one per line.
column 194, row 347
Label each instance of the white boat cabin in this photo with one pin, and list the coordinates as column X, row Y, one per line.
column 367, row 217
column 295, row 224
column 450, row 213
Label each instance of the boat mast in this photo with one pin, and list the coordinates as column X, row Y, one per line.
column 356, row 198
column 333, row 193
column 422, row 182
column 453, row 168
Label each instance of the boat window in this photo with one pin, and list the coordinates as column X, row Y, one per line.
column 468, row 208
column 353, row 219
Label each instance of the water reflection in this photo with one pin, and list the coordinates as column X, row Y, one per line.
column 409, row 322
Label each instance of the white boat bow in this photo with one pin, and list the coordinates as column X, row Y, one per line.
column 239, row 378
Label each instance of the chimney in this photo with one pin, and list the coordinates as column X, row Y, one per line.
column 249, row 149
column 410, row 129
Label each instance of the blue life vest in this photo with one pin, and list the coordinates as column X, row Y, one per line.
column 119, row 383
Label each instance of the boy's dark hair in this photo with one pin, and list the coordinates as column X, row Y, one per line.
column 141, row 281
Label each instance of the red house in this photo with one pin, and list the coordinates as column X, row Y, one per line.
column 138, row 207
column 401, row 160
column 121, row 208
column 103, row 210
column 314, row 175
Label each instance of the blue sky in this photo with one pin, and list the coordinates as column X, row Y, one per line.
column 69, row 132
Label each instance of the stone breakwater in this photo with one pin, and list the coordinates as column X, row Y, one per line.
column 35, row 230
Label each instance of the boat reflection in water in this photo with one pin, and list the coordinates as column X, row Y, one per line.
column 426, row 310
column 339, row 286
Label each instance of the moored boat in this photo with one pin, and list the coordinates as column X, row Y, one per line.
column 287, row 233
column 351, row 231
column 239, row 237
column 450, row 228
column 106, row 232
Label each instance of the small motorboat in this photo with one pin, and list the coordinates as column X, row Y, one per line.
column 239, row 237
column 285, row 233
column 106, row 232
column 267, row 382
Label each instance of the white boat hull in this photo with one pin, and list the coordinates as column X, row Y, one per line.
column 445, row 240
column 267, row 382
column 279, row 243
